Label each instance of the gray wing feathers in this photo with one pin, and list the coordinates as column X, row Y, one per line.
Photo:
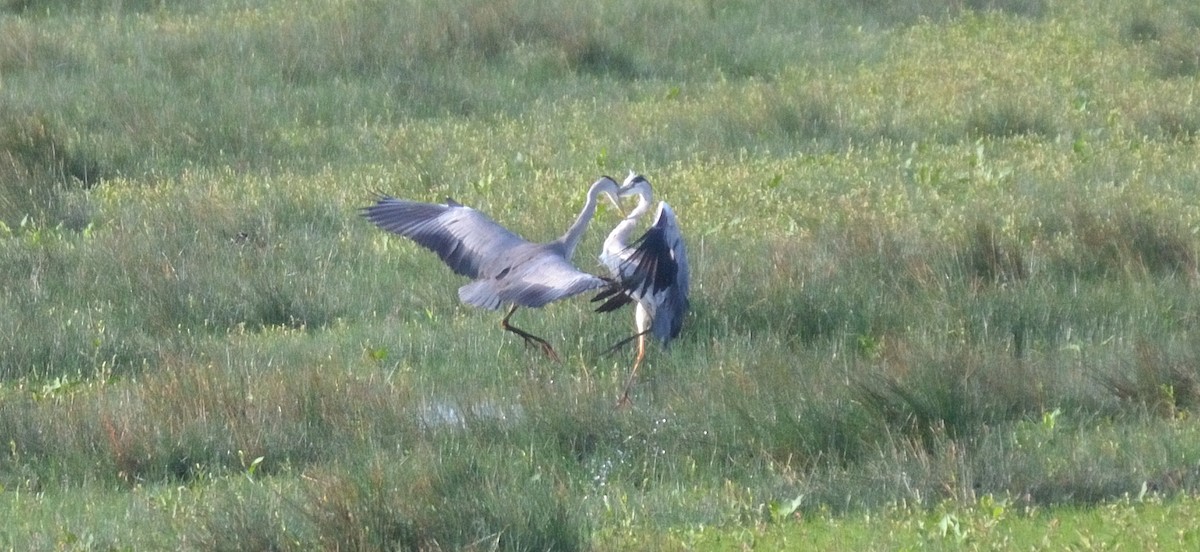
column 465, row 239
column 546, row 278
column 673, row 300
column 540, row 280
column 480, row 293
column 505, row 267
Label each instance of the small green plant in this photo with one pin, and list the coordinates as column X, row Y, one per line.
column 783, row 511
column 252, row 466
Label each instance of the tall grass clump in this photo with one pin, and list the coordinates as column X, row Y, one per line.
column 441, row 498
column 1128, row 241
column 1008, row 120
column 1163, row 381
column 1176, row 53
column 190, row 421
column 40, row 172
column 991, row 258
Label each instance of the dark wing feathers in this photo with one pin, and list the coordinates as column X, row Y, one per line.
column 614, row 296
column 657, row 272
column 654, row 266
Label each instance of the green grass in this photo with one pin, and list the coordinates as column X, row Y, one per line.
column 944, row 261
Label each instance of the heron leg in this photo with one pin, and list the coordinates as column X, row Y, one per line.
column 624, row 342
column 641, row 354
column 529, row 338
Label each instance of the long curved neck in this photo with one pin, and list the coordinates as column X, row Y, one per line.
column 620, row 235
column 570, row 239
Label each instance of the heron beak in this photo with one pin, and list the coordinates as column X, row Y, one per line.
column 616, row 203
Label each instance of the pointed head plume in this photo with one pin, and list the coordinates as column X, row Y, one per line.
column 635, row 184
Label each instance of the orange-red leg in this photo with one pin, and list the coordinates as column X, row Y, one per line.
column 637, row 362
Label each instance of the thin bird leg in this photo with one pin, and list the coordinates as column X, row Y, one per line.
column 529, row 338
column 624, row 342
column 624, row 400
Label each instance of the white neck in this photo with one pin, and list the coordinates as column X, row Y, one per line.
column 619, row 237
column 571, row 238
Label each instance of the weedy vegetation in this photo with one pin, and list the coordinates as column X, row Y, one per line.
column 944, row 259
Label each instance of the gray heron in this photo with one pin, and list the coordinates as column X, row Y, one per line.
column 505, row 268
column 652, row 272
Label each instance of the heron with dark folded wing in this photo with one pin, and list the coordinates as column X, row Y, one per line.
column 652, row 272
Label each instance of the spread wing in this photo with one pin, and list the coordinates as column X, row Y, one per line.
column 466, row 240
column 505, row 268
column 538, row 277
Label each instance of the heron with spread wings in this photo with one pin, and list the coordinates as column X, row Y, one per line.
column 505, row 268
column 652, row 272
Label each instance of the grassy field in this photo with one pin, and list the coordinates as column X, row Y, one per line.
column 944, row 263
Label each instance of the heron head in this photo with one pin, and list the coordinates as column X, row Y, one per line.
column 605, row 185
column 609, row 188
column 635, row 184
